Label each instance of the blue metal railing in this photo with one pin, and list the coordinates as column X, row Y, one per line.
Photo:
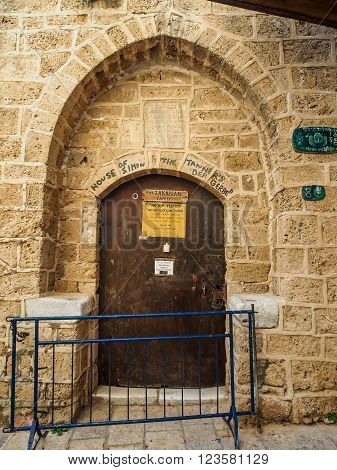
column 38, row 426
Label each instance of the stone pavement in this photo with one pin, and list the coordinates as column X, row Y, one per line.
column 201, row 434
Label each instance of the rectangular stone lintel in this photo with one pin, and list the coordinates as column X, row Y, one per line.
column 266, row 307
column 59, row 305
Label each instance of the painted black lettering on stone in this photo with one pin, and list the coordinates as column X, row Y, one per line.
column 128, row 167
column 218, row 186
column 168, row 161
column 198, row 169
column 108, row 175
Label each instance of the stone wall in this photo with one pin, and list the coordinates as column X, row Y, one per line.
column 65, row 376
column 124, row 131
column 76, row 87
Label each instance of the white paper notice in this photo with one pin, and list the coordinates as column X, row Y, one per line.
column 163, row 267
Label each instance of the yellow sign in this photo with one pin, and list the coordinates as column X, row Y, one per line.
column 165, row 195
column 164, row 213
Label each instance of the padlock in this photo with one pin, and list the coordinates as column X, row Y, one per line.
column 219, row 298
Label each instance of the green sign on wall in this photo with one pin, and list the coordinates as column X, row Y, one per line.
column 315, row 140
column 313, row 193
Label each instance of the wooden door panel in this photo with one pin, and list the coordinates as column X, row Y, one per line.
column 128, row 285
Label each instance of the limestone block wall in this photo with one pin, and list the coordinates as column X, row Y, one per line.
column 65, row 377
column 75, row 83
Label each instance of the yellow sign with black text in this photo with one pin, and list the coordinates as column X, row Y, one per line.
column 164, row 213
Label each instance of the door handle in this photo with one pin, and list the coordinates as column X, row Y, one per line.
column 194, row 279
column 204, row 290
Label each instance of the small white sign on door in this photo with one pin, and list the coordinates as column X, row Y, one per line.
column 163, row 267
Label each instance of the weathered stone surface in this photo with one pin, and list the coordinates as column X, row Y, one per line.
column 124, row 434
column 311, row 408
column 52, row 39
column 274, row 409
column 266, row 307
column 71, row 304
column 290, row 260
column 297, row 318
column 313, row 103
column 165, row 124
column 16, row 93
column 293, row 345
column 322, row 260
column 242, row 161
column 279, row 27
column 332, row 289
column 306, row 51
column 271, row 373
column 298, row 230
column 328, row 232
column 331, row 348
column 52, row 61
column 20, row 284
column 24, row 67
column 315, row 77
column 326, row 320
column 20, row 224
column 314, row 375
column 87, row 444
column 303, row 289
column 11, row 195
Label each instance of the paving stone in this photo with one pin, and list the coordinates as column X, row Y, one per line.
column 124, row 434
column 165, row 440
column 90, row 432
column 201, row 436
column 329, row 431
column 279, row 441
column 87, row 444
column 192, row 434
column 16, row 441
column 226, row 443
column 221, row 428
column 163, row 426
column 54, row 442
column 128, row 447
column 121, row 413
column 248, row 441
column 100, row 412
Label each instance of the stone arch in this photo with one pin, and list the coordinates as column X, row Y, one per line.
column 223, row 56
column 126, row 45
column 85, row 186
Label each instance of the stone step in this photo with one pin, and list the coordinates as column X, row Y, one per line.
column 155, row 396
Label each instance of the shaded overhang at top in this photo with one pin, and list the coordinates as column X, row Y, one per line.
column 322, row 12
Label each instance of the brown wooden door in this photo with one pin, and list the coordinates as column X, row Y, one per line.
column 128, row 284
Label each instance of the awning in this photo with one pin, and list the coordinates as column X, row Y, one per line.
column 322, row 12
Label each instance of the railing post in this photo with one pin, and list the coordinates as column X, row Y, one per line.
column 232, row 379
column 256, row 385
column 36, row 367
column 251, row 336
column 35, row 422
column 13, row 375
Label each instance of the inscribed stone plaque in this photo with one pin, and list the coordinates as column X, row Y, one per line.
column 164, row 124
column 164, row 213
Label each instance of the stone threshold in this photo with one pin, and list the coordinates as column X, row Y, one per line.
column 155, row 396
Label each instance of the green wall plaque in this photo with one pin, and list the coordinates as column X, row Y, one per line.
column 313, row 193
column 315, row 140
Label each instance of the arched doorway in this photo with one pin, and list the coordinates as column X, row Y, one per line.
column 162, row 250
